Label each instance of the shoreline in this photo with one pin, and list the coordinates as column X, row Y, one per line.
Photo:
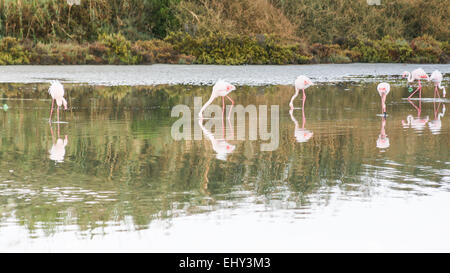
column 173, row 74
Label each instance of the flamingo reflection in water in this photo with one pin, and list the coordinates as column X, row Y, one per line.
column 436, row 124
column 416, row 123
column 220, row 146
column 58, row 150
column 301, row 134
column 383, row 140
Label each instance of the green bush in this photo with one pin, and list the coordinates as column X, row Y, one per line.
column 219, row 48
column 11, row 52
column 116, row 50
column 158, row 51
column 386, row 50
column 426, row 49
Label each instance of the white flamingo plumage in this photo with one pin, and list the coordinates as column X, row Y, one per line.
column 302, row 82
column 220, row 89
column 56, row 91
column 417, row 74
column 383, row 89
column 436, row 77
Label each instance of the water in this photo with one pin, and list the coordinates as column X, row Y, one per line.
column 112, row 177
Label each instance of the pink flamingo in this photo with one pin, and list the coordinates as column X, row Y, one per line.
column 56, row 90
column 220, row 89
column 302, row 82
column 436, row 78
column 383, row 89
column 417, row 74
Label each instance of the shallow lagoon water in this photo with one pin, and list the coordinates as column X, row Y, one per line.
column 113, row 178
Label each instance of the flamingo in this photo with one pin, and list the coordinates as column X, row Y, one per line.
column 436, row 78
column 302, row 82
column 56, row 90
column 383, row 140
column 220, row 89
column 383, row 89
column 417, row 74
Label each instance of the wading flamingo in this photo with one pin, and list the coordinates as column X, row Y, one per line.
column 220, row 89
column 302, row 82
column 56, row 90
column 436, row 78
column 383, row 140
column 417, row 74
column 383, row 89
column 436, row 124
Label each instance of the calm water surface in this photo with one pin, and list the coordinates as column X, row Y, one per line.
column 113, row 178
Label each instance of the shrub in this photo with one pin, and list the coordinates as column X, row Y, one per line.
column 11, row 52
column 386, row 50
column 220, row 48
column 158, row 51
column 116, row 50
column 426, row 49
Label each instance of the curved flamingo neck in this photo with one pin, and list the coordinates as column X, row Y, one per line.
column 409, row 77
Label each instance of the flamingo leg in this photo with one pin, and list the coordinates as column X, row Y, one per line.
column 223, row 112
column 437, row 92
column 420, row 90
column 57, row 110
column 412, row 94
column 232, row 104
column 304, row 98
column 51, row 111
column 303, row 117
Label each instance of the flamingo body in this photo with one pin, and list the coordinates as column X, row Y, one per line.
column 302, row 82
column 436, row 77
column 383, row 89
column 56, row 91
column 220, row 89
column 417, row 74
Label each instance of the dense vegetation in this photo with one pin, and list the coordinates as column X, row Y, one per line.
column 223, row 32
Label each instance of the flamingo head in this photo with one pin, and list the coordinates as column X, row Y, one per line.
column 405, row 74
column 308, row 83
column 230, row 87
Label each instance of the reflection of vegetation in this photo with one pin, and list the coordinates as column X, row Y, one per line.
column 121, row 160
